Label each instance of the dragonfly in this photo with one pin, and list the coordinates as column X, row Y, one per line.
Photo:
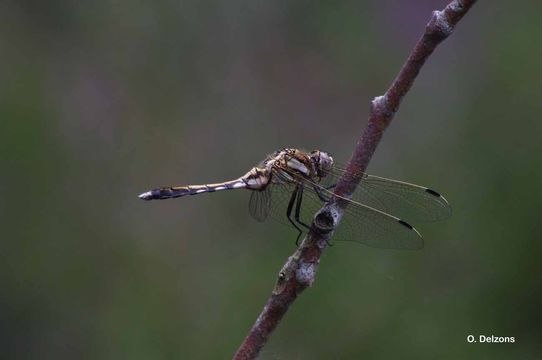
column 291, row 185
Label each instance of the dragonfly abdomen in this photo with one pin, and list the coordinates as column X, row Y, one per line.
column 255, row 179
column 179, row 191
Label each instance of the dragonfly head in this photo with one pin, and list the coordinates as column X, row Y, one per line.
column 323, row 162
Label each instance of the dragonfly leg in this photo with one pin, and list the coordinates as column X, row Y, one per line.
column 289, row 214
column 298, row 208
column 320, row 194
column 298, row 211
column 298, row 237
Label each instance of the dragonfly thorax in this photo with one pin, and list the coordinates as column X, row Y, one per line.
column 290, row 163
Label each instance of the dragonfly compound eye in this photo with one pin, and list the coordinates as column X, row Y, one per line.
column 325, row 164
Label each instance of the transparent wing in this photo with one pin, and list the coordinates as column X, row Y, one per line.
column 360, row 223
column 369, row 226
column 272, row 203
column 401, row 199
column 366, row 223
column 259, row 204
column 408, row 201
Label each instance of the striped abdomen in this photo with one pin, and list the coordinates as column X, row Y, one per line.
column 255, row 179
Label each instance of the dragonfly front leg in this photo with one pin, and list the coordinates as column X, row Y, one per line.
column 320, row 193
column 289, row 214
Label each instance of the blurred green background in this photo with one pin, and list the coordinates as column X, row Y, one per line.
column 102, row 100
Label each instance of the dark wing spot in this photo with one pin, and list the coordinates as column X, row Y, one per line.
column 432, row 192
column 404, row 223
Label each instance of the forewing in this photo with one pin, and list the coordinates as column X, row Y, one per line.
column 404, row 200
column 401, row 199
